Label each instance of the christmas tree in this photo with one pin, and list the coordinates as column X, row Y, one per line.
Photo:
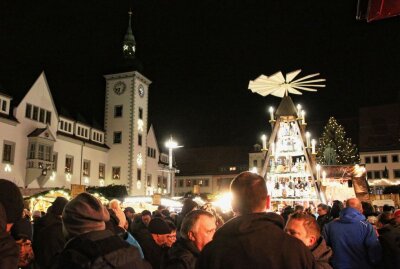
column 334, row 148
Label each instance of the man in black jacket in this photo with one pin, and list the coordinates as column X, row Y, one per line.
column 90, row 245
column 254, row 239
column 198, row 228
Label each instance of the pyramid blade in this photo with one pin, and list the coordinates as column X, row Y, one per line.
column 290, row 76
column 306, row 77
column 278, row 77
column 294, row 91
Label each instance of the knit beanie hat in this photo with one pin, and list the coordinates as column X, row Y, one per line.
column 11, row 198
column 84, row 214
column 58, row 205
column 159, row 226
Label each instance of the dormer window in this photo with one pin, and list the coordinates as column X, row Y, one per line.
column 4, row 105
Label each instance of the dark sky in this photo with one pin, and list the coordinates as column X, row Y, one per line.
column 200, row 56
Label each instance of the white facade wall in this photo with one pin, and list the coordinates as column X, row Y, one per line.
column 126, row 153
column 80, row 146
column 256, row 160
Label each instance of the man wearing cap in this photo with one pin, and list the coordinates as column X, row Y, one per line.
column 153, row 242
column 89, row 245
column 130, row 216
column 11, row 208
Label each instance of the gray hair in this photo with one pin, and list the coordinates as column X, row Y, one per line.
column 190, row 221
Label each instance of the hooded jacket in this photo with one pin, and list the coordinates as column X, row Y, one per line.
column 255, row 241
column 322, row 254
column 353, row 241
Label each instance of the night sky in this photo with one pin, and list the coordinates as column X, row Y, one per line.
column 200, row 56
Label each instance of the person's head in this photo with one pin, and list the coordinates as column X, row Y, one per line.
column 337, row 206
column 387, row 208
column 146, row 217
column 11, row 202
column 249, row 193
column 354, row 203
column 159, row 230
column 58, row 206
column 298, row 208
column 84, row 214
column 199, row 227
column 304, row 227
column 171, row 237
column 396, row 216
column 322, row 209
column 36, row 215
column 368, row 209
column 161, row 208
column 129, row 212
column 383, row 219
column 114, row 204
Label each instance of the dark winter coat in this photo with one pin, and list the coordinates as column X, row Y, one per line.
column 322, row 220
column 9, row 252
column 353, row 241
column 99, row 249
column 22, row 229
column 255, row 241
column 153, row 253
column 49, row 241
column 389, row 236
column 182, row 255
column 322, row 254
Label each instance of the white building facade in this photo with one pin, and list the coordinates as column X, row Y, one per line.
column 41, row 149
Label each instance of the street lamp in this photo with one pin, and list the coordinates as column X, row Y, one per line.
column 171, row 145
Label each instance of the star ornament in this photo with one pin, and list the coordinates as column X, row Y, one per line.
column 279, row 86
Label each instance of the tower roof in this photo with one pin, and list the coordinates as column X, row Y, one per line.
column 129, row 34
column 286, row 108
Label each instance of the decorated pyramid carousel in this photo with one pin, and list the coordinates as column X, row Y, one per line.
column 290, row 168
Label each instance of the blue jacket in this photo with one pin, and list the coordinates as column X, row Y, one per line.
column 353, row 240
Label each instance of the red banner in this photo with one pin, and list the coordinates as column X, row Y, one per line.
column 382, row 9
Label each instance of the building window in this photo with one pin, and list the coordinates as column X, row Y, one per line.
column 180, row 183
column 188, row 183
column 396, row 173
column 139, row 139
column 255, row 163
column 117, row 111
column 139, row 174
column 116, row 172
column 164, row 182
column 194, row 182
column 48, row 117
column 47, row 153
column 367, row 159
column 41, row 152
column 117, row 137
column 3, row 105
column 140, row 113
column 32, row 151
column 159, row 181
column 8, row 152
column 149, row 180
column 395, row 158
column 384, row 159
column 69, row 164
column 102, row 170
column 206, row 182
column 55, row 161
column 377, row 174
column 28, row 111
column 375, row 159
column 369, row 175
column 86, row 168
column 42, row 112
column 35, row 113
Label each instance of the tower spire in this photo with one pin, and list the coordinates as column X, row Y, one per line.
column 129, row 44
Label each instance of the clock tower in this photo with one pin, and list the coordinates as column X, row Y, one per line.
column 125, row 122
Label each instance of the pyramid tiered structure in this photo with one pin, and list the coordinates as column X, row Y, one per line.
column 290, row 168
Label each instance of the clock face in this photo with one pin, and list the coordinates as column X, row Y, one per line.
column 119, row 87
column 141, row 90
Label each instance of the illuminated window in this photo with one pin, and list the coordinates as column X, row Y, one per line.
column 69, row 164
column 86, row 168
column 102, row 170
column 116, row 173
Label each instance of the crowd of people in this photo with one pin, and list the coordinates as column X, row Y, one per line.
column 83, row 233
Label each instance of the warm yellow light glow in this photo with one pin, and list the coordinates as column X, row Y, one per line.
column 7, row 168
column 254, row 170
column 171, row 144
column 224, row 202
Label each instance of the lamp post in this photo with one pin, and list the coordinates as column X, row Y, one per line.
column 171, row 145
